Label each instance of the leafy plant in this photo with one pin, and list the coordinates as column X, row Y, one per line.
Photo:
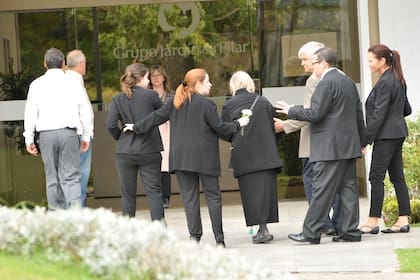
column 14, row 86
column 411, row 160
column 117, row 247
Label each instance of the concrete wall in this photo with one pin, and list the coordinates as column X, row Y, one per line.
column 399, row 23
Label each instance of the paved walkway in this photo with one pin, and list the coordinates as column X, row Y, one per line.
column 372, row 259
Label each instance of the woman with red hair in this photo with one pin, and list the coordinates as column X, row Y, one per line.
column 194, row 147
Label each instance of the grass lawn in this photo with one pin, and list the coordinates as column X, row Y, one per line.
column 409, row 259
column 38, row 267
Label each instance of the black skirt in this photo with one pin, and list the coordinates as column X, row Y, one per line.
column 259, row 197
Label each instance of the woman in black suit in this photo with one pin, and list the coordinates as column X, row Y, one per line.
column 137, row 153
column 254, row 155
column 194, row 147
column 386, row 107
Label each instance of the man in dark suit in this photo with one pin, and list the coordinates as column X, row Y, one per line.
column 337, row 138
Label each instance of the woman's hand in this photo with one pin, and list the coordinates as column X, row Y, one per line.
column 128, row 127
column 243, row 121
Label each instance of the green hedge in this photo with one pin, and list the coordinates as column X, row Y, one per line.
column 411, row 158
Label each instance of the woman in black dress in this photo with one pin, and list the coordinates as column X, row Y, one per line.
column 254, row 155
column 194, row 147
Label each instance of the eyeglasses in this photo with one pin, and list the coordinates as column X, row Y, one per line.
column 315, row 62
column 156, row 75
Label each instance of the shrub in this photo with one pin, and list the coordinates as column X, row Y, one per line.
column 390, row 210
column 118, row 247
column 411, row 158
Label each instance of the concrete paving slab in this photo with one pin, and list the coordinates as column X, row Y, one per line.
column 373, row 258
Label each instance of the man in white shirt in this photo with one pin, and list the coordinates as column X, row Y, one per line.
column 56, row 108
column 76, row 68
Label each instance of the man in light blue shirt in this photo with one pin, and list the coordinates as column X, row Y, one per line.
column 76, row 68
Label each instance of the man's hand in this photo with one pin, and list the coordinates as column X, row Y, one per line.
column 283, row 107
column 278, row 125
column 128, row 127
column 84, row 146
column 32, row 149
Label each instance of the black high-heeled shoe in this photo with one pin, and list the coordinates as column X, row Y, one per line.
column 372, row 230
column 401, row 229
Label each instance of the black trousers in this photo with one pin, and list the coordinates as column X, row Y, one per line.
column 166, row 185
column 331, row 178
column 148, row 166
column 190, row 193
column 333, row 222
column 387, row 155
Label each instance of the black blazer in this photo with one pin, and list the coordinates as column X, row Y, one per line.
column 256, row 149
column 386, row 107
column 195, row 127
column 124, row 110
column 337, row 124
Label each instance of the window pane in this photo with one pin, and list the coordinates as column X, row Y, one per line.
column 287, row 25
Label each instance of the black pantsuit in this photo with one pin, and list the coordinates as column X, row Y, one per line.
column 387, row 155
column 190, row 193
column 135, row 153
column 148, row 166
column 386, row 107
column 194, row 155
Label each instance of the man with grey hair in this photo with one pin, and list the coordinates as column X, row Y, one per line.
column 338, row 138
column 76, row 69
column 56, row 109
column 305, row 54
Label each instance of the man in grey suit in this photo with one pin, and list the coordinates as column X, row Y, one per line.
column 306, row 53
column 337, row 138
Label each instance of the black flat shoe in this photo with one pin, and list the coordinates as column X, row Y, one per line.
column 299, row 237
column 372, row 230
column 402, row 229
column 262, row 238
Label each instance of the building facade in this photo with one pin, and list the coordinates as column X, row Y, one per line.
column 260, row 37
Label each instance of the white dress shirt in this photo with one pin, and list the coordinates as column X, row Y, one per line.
column 55, row 102
column 71, row 74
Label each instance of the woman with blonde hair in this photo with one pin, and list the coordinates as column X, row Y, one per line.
column 254, row 155
column 137, row 153
column 194, row 148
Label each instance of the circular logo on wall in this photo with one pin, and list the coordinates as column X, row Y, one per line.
column 185, row 7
